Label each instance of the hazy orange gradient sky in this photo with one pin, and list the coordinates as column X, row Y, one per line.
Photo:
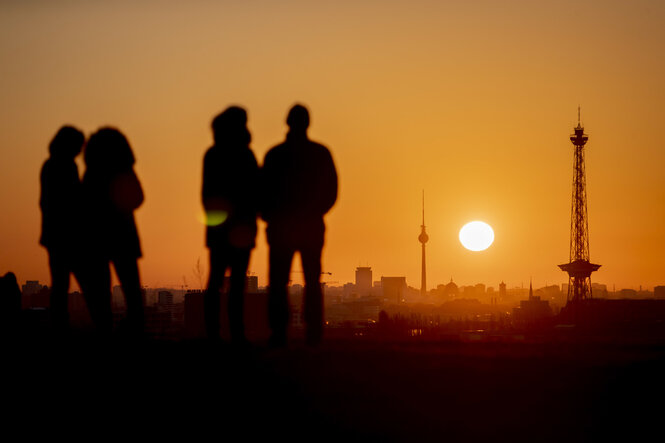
column 472, row 101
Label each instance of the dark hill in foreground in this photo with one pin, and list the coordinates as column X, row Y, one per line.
column 343, row 390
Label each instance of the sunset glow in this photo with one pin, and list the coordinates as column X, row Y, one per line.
column 297, row 220
column 472, row 101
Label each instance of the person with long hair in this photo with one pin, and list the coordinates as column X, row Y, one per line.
column 112, row 192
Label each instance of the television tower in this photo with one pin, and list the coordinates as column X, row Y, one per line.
column 579, row 268
column 422, row 238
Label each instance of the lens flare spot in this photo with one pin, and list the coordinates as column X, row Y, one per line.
column 213, row 218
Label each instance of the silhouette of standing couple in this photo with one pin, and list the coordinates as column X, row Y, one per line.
column 292, row 191
column 89, row 224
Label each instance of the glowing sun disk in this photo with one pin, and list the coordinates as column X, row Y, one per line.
column 476, row 236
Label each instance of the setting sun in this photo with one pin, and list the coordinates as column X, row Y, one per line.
column 476, row 236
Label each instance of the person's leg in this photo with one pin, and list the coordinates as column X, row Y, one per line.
column 280, row 258
column 313, row 301
column 211, row 298
column 239, row 264
column 97, row 293
column 60, row 270
column 82, row 272
column 128, row 273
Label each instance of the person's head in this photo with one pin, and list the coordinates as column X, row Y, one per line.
column 108, row 149
column 298, row 119
column 9, row 281
column 67, row 142
column 230, row 127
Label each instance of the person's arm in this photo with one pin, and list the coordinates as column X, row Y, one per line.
column 126, row 192
column 329, row 183
column 205, row 186
column 57, row 188
column 263, row 189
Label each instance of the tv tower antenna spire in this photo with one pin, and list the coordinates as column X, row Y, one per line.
column 422, row 238
column 579, row 268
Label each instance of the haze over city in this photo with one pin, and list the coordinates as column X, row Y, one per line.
column 472, row 102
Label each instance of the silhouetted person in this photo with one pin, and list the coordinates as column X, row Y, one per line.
column 112, row 192
column 60, row 203
column 230, row 181
column 10, row 304
column 299, row 186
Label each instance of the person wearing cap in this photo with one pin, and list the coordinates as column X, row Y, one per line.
column 230, row 180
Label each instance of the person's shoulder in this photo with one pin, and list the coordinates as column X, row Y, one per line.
column 275, row 151
column 211, row 155
column 319, row 148
column 318, row 145
column 278, row 147
column 210, row 152
column 47, row 165
column 58, row 166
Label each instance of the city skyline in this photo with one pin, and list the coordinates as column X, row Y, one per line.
column 472, row 103
column 329, row 283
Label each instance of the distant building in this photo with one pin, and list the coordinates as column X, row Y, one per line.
column 194, row 319
column 479, row 289
column 532, row 311
column 450, row 290
column 628, row 293
column 377, row 290
column 623, row 318
column 553, row 295
column 252, row 285
column 349, row 290
column 598, row 290
column 492, row 295
column 165, row 299
column 31, row 287
column 394, row 288
column 34, row 295
column 502, row 291
column 659, row 292
column 363, row 281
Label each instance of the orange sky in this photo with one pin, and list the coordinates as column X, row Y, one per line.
column 472, row 101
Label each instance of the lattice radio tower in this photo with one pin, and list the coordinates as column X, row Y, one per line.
column 579, row 268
